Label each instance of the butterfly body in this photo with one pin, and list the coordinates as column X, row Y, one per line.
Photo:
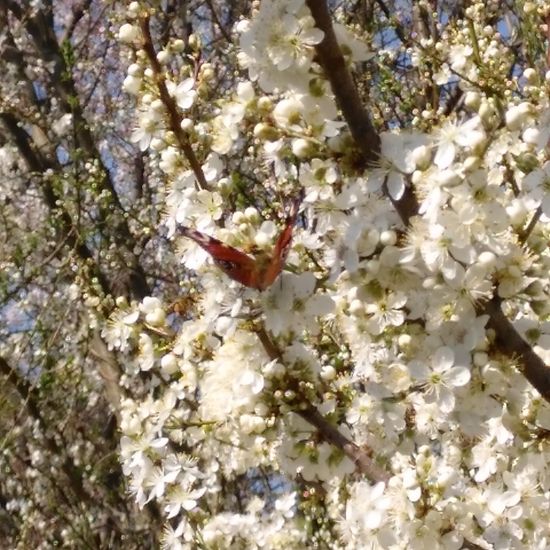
column 258, row 273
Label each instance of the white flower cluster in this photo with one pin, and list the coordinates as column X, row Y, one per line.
column 381, row 328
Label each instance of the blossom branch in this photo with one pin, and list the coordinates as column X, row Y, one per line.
column 329, row 432
column 365, row 135
column 332, row 61
column 512, row 344
column 343, row 87
column 170, row 104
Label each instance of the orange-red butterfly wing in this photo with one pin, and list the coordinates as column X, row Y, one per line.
column 281, row 250
column 241, row 267
column 234, row 263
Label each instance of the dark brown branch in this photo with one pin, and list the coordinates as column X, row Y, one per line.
column 168, row 101
column 513, row 345
column 361, row 459
column 452, row 101
column 330, row 433
column 348, row 99
column 524, row 234
column 365, row 135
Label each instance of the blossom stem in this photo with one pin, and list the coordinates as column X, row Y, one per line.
column 475, row 44
column 170, row 104
column 360, row 457
column 523, row 235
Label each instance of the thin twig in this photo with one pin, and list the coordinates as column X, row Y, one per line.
column 524, row 234
column 171, row 107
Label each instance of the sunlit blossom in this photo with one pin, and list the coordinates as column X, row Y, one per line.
column 440, row 376
column 376, row 322
column 537, row 187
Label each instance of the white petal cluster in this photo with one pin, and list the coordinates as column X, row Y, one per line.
column 379, row 327
column 277, row 45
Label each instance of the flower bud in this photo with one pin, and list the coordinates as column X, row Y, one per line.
column 261, row 240
column 187, row 125
column 131, row 85
column 531, row 136
column 302, row 148
column 516, row 212
column 328, row 373
column 388, row 238
column 155, row 317
column 472, row 100
column 480, row 359
column 194, row 42
column 134, row 69
column 169, row 364
column 422, row 157
column 530, row 75
column 238, row 218
column 163, row 57
column 128, row 33
column 518, row 115
column 178, row 45
column 404, row 340
column 265, row 104
column 252, row 214
column 487, row 259
column 471, row 163
column 487, row 114
column 133, row 9
column 265, row 132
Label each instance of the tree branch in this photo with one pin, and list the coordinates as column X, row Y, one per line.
column 330, row 433
column 32, row 401
column 170, row 104
column 348, row 99
column 366, row 137
column 510, row 343
column 42, row 33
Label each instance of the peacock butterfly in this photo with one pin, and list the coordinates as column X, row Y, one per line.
column 258, row 273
